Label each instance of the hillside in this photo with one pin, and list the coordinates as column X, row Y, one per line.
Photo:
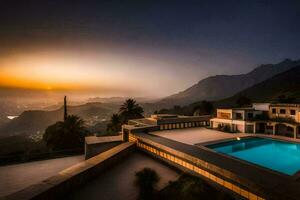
column 223, row 86
column 286, row 83
column 31, row 122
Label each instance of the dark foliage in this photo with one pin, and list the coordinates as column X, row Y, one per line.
column 243, row 101
column 224, row 128
column 205, row 108
column 146, row 180
column 285, row 99
column 114, row 126
column 199, row 108
column 68, row 134
column 130, row 110
column 189, row 187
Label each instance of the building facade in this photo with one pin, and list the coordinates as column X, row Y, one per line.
column 276, row 119
column 170, row 121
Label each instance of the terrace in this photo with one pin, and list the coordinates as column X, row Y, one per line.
column 248, row 180
column 198, row 135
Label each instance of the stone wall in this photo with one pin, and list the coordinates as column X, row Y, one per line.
column 92, row 150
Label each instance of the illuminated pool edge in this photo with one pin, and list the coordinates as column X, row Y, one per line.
column 216, row 145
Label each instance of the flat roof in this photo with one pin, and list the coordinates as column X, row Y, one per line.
column 196, row 135
column 285, row 105
column 247, row 108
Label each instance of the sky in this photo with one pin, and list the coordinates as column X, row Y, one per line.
column 139, row 48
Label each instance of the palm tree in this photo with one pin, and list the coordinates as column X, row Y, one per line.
column 115, row 124
column 146, row 180
column 130, row 110
column 67, row 134
column 65, row 108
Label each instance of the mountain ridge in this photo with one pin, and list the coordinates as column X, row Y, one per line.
column 222, row 86
column 285, row 84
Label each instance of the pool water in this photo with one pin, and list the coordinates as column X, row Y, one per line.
column 277, row 155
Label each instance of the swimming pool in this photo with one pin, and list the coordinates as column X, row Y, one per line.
column 277, row 155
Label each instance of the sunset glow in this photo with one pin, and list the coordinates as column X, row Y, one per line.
column 90, row 71
column 41, row 73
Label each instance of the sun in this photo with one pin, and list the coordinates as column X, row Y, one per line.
column 49, row 87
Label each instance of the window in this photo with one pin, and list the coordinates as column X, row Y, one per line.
column 238, row 116
column 222, row 115
column 273, row 110
column 293, row 112
column 250, row 115
column 282, row 111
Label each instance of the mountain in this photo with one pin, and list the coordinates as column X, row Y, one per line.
column 35, row 121
column 284, row 84
column 223, row 86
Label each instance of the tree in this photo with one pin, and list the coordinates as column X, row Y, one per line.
column 205, row 108
column 163, row 111
column 130, row 110
column 243, row 101
column 285, row 99
column 65, row 108
column 114, row 125
column 146, row 180
column 67, row 134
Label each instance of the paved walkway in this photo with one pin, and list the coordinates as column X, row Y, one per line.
column 18, row 176
column 118, row 182
column 196, row 135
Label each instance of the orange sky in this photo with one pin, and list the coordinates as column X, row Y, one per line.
column 94, row 71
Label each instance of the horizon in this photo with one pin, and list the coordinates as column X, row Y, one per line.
column 57, row 94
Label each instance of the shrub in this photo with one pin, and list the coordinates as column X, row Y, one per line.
column 146, row 180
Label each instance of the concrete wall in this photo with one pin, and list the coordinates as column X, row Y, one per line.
column 67, row 180
column 261, row 106
column 92, row 150
column 184, row 119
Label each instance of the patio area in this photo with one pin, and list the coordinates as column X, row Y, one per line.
column 118, row 181
column 19, row 176
column 196, row 135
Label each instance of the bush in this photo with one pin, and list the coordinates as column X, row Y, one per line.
column 224, row 128
column 189, row 187
column 146, row 180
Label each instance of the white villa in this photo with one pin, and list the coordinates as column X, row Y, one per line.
column 276, row 119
